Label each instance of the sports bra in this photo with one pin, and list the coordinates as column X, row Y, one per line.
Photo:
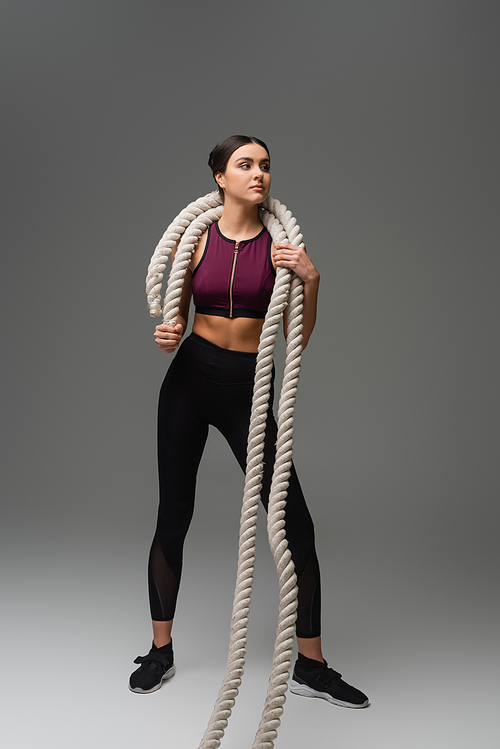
column 234, row 279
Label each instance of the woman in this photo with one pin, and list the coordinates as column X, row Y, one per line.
column 210, row 381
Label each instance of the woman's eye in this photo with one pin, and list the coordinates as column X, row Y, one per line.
column 244, row 165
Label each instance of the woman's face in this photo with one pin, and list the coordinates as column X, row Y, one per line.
column 248, row 174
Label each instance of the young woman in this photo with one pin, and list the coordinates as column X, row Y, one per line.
column 210, row 381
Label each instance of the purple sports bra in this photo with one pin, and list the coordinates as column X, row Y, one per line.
column 234, row 279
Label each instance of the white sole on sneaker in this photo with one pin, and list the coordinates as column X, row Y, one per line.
column 167, row 675
column 304, row 691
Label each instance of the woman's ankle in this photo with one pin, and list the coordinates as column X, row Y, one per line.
column 162, row 633
column 310, row 647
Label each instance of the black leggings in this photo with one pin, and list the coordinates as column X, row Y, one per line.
column 205, row 385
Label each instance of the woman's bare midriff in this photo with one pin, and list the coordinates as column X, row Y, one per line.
column 235, row 333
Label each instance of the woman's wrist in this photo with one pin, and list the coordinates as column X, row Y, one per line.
column 313, row 279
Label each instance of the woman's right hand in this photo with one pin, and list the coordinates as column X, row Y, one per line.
column 168, row 337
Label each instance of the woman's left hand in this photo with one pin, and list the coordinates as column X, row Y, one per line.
column 288, row 255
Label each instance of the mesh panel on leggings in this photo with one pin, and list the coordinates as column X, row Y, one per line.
column 163, row 584
column 309, row 599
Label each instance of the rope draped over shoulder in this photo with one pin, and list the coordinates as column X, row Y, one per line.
column 184, row 232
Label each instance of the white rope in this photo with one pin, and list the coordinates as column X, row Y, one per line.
column 185, row 232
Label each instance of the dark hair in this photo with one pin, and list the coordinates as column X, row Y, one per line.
column 220, row 155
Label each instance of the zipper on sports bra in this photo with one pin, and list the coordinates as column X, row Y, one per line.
column 231, row 283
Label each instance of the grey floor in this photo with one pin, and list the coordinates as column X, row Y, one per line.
column 430, row 669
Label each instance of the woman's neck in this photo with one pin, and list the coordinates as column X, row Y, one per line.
column 239, row 221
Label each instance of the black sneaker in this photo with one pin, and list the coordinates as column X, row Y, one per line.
column 314, row 679
column 156, row 667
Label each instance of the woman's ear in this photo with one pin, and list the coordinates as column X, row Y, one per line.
column 219, row 178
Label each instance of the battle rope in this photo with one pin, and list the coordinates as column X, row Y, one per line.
column 184, row 232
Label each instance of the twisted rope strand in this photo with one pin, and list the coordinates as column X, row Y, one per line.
column 187, row 246
column 169, row 240
column 278, row 680
column 184, row 232
column 253, row 484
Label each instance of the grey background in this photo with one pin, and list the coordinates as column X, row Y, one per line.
column 382, row 119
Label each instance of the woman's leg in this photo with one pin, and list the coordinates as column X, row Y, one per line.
column 232, row 422
column 182, row 434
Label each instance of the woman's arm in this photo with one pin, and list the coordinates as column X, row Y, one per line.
column 296, row 258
